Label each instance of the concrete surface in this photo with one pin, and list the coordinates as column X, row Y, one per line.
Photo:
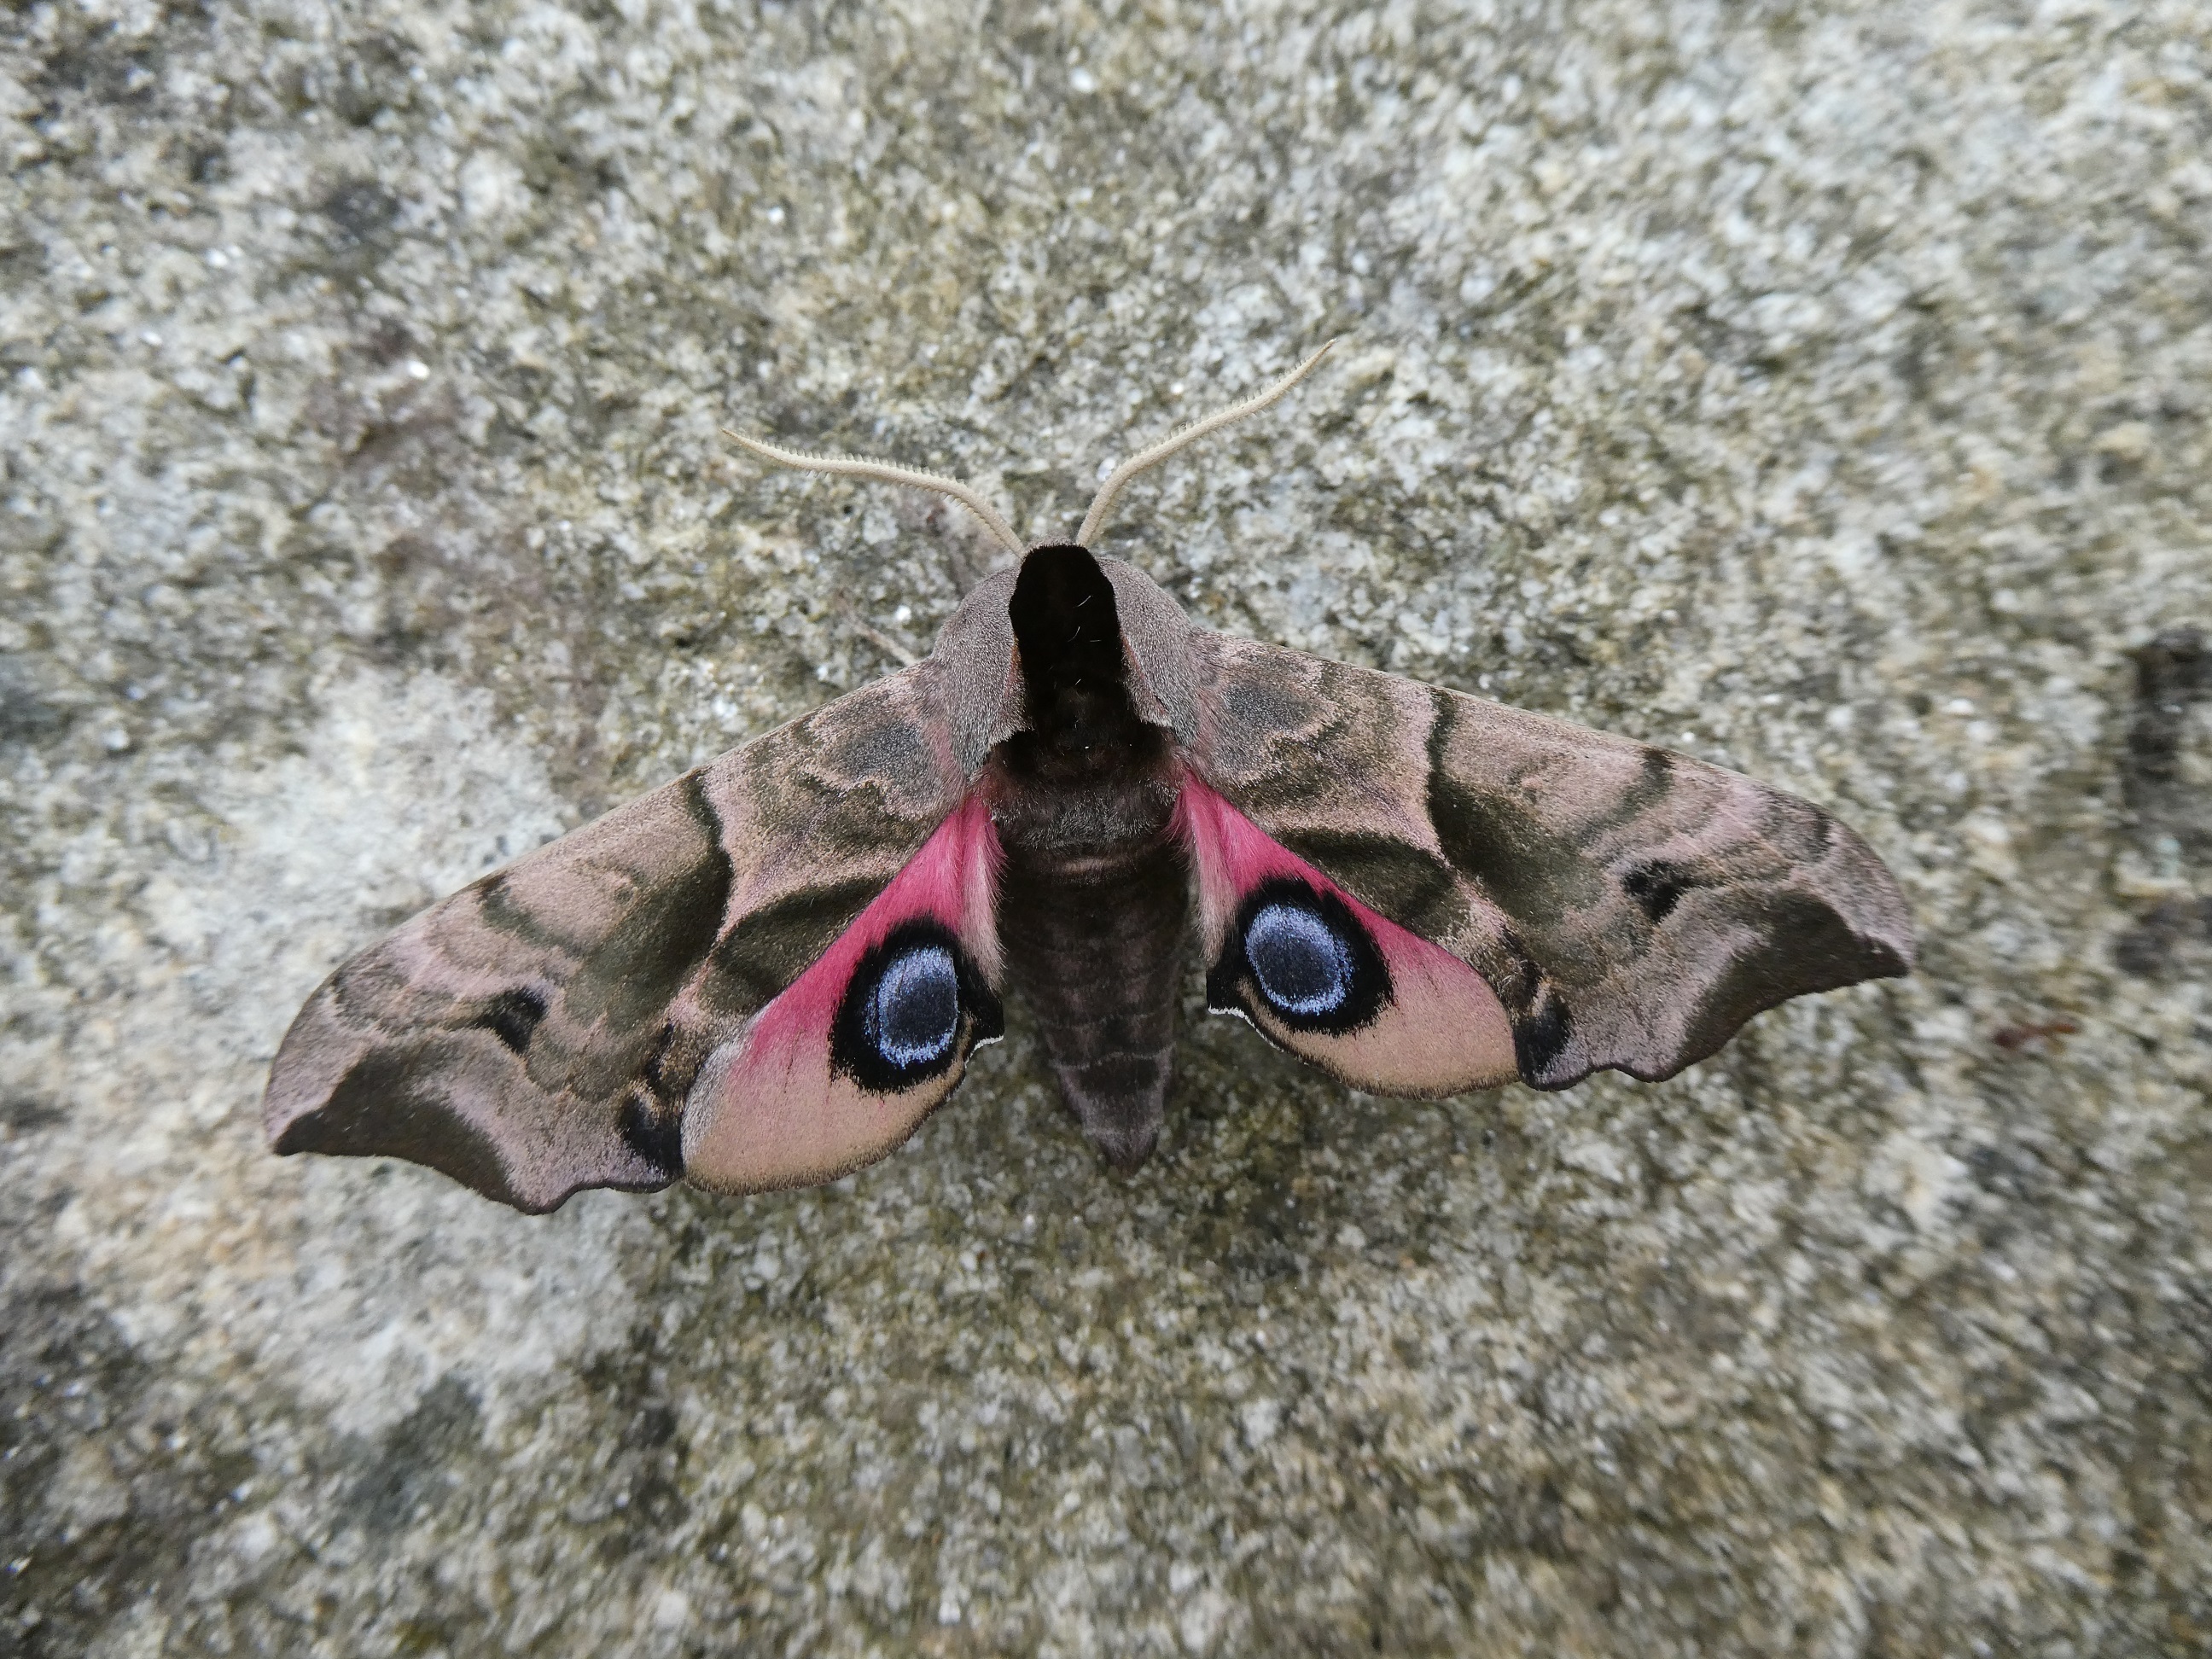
column 1823, row 389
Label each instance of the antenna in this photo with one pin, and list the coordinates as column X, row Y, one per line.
column 860, row 466
column 1146, row 458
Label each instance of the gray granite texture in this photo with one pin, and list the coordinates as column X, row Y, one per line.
column 1820, row 389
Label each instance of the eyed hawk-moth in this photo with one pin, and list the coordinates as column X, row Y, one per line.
column 768, row 972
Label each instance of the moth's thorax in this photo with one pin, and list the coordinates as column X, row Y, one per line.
column 1082, row 831
column 1086, row 782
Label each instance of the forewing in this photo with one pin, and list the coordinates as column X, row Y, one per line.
column 1631, row 907
column 539, row 1031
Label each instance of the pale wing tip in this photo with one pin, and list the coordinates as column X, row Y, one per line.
column 333, row 1090
column 309, row 1063
column 1872, row 903
column 1882, row 925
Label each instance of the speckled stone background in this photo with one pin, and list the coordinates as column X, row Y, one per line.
column 1823, row 389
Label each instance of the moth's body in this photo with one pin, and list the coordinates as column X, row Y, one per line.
column 1094, row 896
column 768, row 972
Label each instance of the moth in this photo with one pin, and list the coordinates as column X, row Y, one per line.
column 768, row 972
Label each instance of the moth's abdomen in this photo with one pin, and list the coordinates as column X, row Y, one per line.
column 1096, row 945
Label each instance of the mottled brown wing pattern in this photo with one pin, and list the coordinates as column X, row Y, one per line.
column 537, row 1032
column 1630, row 906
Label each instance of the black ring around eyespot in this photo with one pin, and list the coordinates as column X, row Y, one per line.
column 914, row 1006
column 1343, row 986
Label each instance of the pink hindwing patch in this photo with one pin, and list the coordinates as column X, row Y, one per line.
column 840, row 1068
column 1326, row 978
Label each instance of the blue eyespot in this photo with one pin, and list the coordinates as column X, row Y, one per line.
column 912, row 1008
column 1300, row 959
column 1302, row 966
column 913, row 1016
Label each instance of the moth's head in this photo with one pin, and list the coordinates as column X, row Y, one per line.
column 1044, row 644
